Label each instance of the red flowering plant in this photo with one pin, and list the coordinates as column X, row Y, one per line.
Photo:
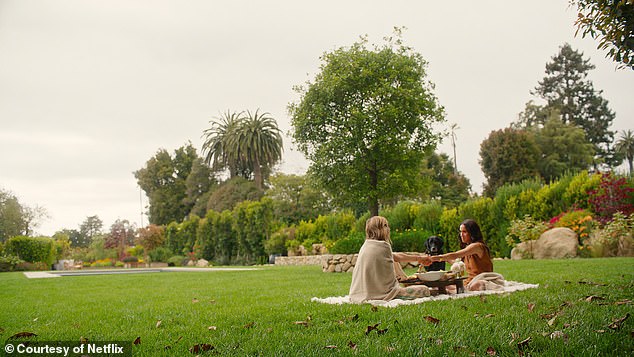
column 613, row 195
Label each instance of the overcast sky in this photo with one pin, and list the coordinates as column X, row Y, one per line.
column 90, row 89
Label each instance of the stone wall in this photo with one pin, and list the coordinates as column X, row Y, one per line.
column 299, row 260
column 330, row 263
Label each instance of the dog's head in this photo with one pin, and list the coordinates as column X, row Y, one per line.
column 433, row 245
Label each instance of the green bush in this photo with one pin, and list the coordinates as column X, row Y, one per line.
column 399, row 216
column 348, row 245
column 32, row 249
column 160, row 254
column 409, row 241
column 177, row 261
column 525, row 229
column 427, row 216
column 9, row 262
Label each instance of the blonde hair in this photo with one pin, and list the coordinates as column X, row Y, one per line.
column 377, row 228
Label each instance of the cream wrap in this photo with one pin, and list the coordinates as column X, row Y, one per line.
column 373, row 277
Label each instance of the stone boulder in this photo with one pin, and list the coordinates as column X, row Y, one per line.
column 202, row 263
column 555, row 243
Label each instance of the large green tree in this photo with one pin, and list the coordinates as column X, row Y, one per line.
column 11, row 216
column 564, row 149
column 164, row 181
column 625, row 147
column 567, row 91
column 612, row 23
column 296, row 198
column 91, row 227
column 508, row 156
column 259, row 142
column 366, row 120
column 246, row 143
column 444, row 182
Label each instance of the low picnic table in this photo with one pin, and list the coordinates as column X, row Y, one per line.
column 440, row 284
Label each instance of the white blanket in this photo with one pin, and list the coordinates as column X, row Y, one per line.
column 509, row 287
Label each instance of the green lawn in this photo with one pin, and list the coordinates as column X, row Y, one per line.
column 268, row 312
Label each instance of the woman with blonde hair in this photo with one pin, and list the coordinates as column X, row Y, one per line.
column 375, row 273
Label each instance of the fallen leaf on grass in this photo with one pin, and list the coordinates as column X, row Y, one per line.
column 371, row 328
column 552, row 321
column 531, row 306
column 483, row 298
column 330, row 347
column 514, row 336
column 489, row 315
column 83, row 340
column 374, row 308
column 194, row 300
column 1, row 330
column 433, row 320
column 137, row 341
column 201, row 347
column 623, row 302
column 559, row 334
column 523, row 344
column 352, row 345
column 250, row 325
column 211, row 328
column 592, row 298
column 616, row 324
column 35, row 319
column 158, row 323
column 303, row 323
column 491, row 351
column 22, row 335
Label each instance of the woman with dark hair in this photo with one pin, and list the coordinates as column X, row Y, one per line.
column 477, row 258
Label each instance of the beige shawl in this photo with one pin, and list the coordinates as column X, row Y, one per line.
column 373, row 277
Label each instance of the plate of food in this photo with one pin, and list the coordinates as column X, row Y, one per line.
column 431, row 275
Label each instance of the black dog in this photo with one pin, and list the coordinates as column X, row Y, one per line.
column 433, row 246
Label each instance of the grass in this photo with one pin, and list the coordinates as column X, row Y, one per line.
column 268, row 312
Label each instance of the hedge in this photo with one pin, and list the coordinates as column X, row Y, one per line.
column 32, row 249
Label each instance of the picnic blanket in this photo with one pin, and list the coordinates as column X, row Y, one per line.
column 509, row 287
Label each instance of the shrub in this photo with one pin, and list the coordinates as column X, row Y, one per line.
column 615, row 238
column 348, row 245
column 409, row 241
column 613, row 195
column 28, row 266
column 177, row 261
column 9, row 262
column 399, row 216
column 130, row 259
column 32, row 249
column 160, row 254
column 427, row 216
column 580, row 221
column 108, row 262
column 524, row 230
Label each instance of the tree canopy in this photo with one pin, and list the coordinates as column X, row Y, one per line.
column 612, row 23
column 366, row 120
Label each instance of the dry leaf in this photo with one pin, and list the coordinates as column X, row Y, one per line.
column 330, row 347
column 303, row 323
column 489, row 315
column 591, row 298
column 552, row 321
column 433, row 320
column 158, row 323
column 83, row 340
column 390, row 349
column 250, row 325
column 523, row 344
column 616, row 324
column 137, row 341
column 35, row 319
column 201, row 347
column 370, row 328
column 599, row 331
column 374, row 308
column 559, row 334
column 491, row 351
column 381, row 332
column 22, row 335
column 531, row 306
column 514, row 336
column 352, row 345
column 623, row 302
column 211, row 328
column 483, row 298
column 439, row 341
column 194, row 300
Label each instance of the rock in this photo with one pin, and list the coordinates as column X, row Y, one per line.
column 202, row 263
column 555, row 243
column 191, row 263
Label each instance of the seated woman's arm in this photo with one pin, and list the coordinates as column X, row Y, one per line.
column 471, row 249
column 405, row 257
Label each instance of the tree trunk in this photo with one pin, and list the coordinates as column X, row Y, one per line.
column 373, row 199
column 257, row 175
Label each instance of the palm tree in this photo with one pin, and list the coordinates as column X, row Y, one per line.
column 454, row 137
column 220, row 144
column 260, row 143
column 625, row 147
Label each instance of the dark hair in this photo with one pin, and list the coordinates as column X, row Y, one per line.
column 474, row 231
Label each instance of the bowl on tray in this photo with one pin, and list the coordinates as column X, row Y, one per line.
column 431, row 275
